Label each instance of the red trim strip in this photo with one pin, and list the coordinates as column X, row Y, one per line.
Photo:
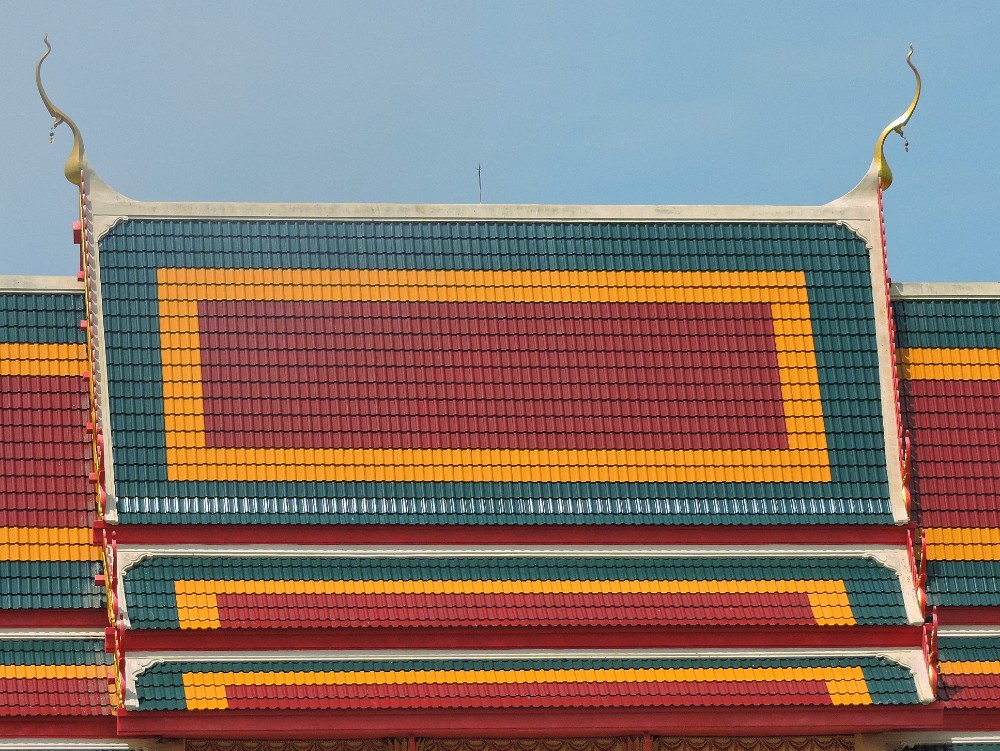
column 219, row 534
column 767, row 637
column 523, row 723
column 969, row 616
column 972, row 719
column 58, row 727
column 55, row 618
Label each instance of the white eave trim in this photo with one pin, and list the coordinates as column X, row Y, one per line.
column 40, row 284
column 110, row 207
column 969, row 631
column 52, row 633
column 127, row 552
column 945, row 290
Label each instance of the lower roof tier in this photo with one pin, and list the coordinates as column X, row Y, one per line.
column 346, row 682
column 53, row 676
column 949, row 355
column 969, row 666
column 376, row 589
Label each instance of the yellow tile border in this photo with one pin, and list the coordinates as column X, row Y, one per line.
column 963, row 543
column 846, row 685
column 27, row 359
column 970, row 667
column 190, row 459
column 47, row 544
column 198, row 605
column 54, row 672
column 944, row 364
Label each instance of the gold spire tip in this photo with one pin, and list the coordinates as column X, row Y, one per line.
column 74, row 164
column 897, row 125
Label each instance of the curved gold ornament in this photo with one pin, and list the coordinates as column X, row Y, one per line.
column 884, row 173
column 74, row 163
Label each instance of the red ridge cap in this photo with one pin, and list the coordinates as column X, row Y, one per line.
column 674, row 637
column 193, row 534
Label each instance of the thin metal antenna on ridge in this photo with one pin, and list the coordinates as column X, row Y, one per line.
column 479, row 171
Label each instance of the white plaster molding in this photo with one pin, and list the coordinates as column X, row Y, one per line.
column 50, row 633
column 898, row 559
column 895, row 557
column 111, row 207
column 95, row 185
column 970, row 631
column 945, row 290
column 40, row 284
column 102, row 195
column 122, row 613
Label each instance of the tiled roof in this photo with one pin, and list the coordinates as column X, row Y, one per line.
column 55, row 677
column 949, row 352
column 256, row 592
column 379, row 372
column 46, row 505
column 525, row 682
column 969, row 671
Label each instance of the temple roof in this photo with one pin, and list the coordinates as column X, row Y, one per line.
column 310, row 420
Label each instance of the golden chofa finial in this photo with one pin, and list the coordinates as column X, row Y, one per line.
column 74, row 164
column 884, row 173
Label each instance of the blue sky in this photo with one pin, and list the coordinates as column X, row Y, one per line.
column 561, row 102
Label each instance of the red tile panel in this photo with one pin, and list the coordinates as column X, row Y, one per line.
column 970, row 691
column 56, row 697
column 522, row 695
column 43, row 475
column 506, row 609
column 356, row 374
column 955, row 429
